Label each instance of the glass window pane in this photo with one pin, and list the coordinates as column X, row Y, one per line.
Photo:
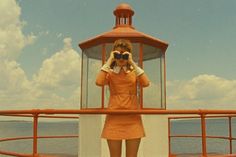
column 153, row 64
column 94, row 91
column 91, row 93
column 152, row 95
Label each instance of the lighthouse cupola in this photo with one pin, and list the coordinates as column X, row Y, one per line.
column 123, row 13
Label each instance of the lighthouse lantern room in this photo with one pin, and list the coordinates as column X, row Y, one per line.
column 148, row 53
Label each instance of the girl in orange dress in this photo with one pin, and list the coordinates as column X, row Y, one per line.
column 121, row 74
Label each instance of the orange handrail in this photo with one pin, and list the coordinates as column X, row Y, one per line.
column 107, row 111
column 30, row 137
column 43, row 113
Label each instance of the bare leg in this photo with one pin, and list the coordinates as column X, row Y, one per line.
column 115, row 147
column 132, row 146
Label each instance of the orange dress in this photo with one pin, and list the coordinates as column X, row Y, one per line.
column 123, row 95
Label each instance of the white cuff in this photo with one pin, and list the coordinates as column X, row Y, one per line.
column 138, row 71
column 105, row 67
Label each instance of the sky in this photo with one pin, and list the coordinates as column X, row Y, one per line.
column 40, row 59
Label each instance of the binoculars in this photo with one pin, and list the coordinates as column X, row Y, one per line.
column 121, row 56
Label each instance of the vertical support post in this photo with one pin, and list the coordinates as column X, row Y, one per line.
column 130, row 20
column 141, row 65
column 203, row 125
column 117, row 21
column 169, row 135
column 35, row 135
column 81, row 81
column 103, row 61
column 230, row 135
column 164, row 103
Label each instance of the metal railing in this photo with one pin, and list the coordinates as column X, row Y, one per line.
column 37, row 113
column 203, row 135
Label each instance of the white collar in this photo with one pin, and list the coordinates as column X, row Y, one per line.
column 116, row 69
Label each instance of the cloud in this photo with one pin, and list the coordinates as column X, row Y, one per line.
column 203, row 91
column 56, row 69
column 59, row 77
column 11, row 36
column 55, row 85
column 15, row 88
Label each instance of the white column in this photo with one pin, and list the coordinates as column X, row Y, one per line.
column 156, row 142
column 90, row 143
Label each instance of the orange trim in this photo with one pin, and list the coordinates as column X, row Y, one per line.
column 22, row 115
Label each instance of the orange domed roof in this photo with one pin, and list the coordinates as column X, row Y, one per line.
column 123, row 7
